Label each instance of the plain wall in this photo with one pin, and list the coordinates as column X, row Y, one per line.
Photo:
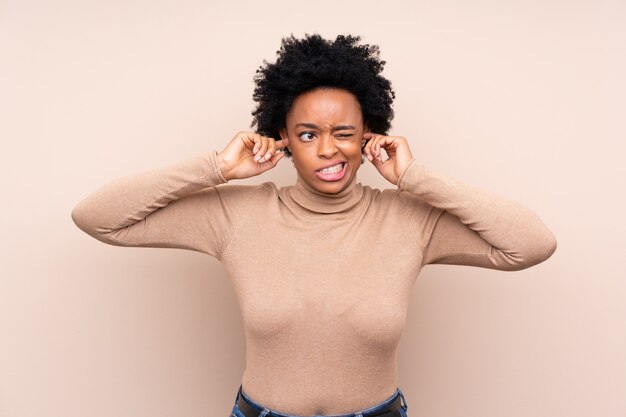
column 525, row 98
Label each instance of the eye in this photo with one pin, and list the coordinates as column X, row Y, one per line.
column 305, row 133
column 312, row 133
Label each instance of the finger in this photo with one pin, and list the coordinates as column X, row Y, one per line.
column 368, row 147
column 248, row 139
column 271, row 163
column 262, row 150
column 377, row 162
column 271, row 148
column 367, row 136
column 257, row 143
column 262, row 147
column 372, row 146
column 276, row 157
column 282, row 143
column 373, row 159
column 380, row 143
column 384, row 142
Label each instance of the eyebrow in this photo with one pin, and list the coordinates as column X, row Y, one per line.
column 314, row 126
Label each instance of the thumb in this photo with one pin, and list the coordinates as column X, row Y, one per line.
column 278, row 155
column 376, row 162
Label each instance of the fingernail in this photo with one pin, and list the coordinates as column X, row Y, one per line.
column 369, row 157
column 267, row 156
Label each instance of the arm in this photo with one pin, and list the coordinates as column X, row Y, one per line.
column 464, row 225
column 179, row 206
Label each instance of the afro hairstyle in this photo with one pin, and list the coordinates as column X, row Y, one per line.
column 314, row 62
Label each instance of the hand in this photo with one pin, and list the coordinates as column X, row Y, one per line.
column 396, row 148
column 249, row 154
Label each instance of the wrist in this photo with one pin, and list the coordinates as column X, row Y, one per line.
column 223, row 167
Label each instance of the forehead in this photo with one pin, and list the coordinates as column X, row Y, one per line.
column 328, row 106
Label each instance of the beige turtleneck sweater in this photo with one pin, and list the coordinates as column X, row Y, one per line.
column 323, row 280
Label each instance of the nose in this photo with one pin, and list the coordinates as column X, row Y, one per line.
column 327, row 148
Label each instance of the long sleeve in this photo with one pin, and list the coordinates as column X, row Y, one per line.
column 465, row 225
column 180, row 206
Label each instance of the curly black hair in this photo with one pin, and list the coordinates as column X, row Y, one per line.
column 314, row 62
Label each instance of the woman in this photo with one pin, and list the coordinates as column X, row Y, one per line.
column 323, row 268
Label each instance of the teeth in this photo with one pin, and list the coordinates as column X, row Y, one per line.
column 332, row 170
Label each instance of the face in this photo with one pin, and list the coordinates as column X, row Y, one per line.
column 325, row 128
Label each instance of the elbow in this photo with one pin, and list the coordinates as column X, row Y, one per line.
column 540, row 244
column 80, row 219
column 539, row 251
column 546, row 248
column 551, row 245
column 83, row 218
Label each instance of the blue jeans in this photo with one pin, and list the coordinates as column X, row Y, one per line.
column 267, row 412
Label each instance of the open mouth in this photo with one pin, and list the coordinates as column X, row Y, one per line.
column 333, row 169
column 333, row 173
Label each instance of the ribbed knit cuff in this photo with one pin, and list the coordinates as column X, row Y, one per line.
column 410, row 178
column 215, row 168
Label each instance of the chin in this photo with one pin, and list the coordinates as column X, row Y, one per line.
column 335, row 186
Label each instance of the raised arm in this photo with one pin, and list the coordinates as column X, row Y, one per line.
column 179, row 206
column 465, row 225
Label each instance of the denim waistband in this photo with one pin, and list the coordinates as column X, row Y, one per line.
column 267, row 412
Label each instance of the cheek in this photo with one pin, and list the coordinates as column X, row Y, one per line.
column 352, row 149
column 301, row 161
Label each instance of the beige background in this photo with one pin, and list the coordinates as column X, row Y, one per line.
column 526, row 98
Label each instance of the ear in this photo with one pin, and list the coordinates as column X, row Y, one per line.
column 366, row 129
column 283, row 135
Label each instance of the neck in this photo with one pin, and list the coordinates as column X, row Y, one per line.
column 318, row 201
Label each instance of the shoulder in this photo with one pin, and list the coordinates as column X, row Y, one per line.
column 386, row 199
column 394, row 198
column 233, row 193
column 381, row 196
column 260, row 190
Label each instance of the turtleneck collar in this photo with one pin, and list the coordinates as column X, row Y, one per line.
column 310, row 198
